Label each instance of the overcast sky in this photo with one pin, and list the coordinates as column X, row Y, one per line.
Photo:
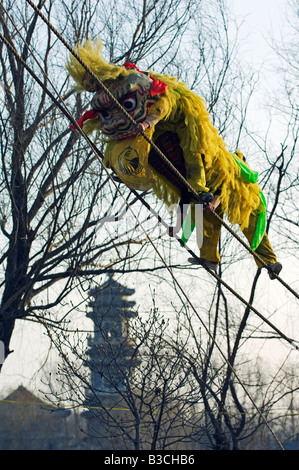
column 264, row 18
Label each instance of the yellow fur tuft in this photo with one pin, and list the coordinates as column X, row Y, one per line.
column 209, row 164
column 90, row 54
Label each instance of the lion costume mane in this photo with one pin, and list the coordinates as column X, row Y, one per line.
column 171, row 109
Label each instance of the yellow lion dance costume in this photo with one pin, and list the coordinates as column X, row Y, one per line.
column 177, row 121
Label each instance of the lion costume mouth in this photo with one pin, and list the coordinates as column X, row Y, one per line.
column 118, row 135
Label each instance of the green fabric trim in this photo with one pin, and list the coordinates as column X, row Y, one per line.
column 188, row 225
column 252, row 177
column 260, row 225
column 248, row 175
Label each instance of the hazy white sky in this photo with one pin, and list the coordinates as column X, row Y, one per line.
column 263, row 19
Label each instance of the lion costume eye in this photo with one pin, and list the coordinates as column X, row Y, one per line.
column 129, row 102
column 105, row 114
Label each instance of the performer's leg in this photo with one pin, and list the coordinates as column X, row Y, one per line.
column 264, row 250
column 211, row 234
column 209, row 255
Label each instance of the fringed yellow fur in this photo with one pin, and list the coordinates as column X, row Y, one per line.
column 90, row 53
column 209, row 164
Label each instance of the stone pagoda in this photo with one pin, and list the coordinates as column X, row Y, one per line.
column 110, row 349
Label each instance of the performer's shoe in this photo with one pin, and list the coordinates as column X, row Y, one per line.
column 274, row 269
column 211, row 265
